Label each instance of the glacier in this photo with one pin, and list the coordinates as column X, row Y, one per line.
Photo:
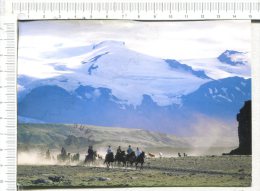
column 108, row 84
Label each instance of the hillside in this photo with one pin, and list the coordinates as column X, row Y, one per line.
column 79, row 137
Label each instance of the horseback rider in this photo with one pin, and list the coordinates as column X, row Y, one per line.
column 137, row 152
column 129, row 150
column 109, row 149
column 90, row 152
column 118, row 150
column 109, row 159
column 63, row 152
column 48, row 154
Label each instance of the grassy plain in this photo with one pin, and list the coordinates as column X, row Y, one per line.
column 158, row 172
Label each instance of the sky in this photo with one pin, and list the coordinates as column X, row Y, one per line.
column 171, row 40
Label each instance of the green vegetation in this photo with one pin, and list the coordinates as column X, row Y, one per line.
column 78, row 137
column 184, row 171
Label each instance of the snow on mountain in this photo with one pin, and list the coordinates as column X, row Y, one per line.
column 233, row 58
column 110, row 85
column 177, row 65
column 228, row 64
column 98, row 106
column 222, row 97
column 128, row 74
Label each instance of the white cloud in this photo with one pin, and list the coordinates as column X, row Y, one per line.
column 176, row 40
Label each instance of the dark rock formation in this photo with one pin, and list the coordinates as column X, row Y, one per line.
column 244, row 119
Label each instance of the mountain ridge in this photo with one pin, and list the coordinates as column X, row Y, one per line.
column 116, row 86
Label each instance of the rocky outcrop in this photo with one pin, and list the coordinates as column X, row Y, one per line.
column 244, row 118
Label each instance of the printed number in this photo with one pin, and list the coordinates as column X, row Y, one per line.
column 250, row 16
column 170, row 16
column 138, row 16
column 202, row 16
column 218, row 16
column 59, row 16
column 186, row 16
column 154, row 16
column 43, row 16
column 106, row 16
column 234, row 16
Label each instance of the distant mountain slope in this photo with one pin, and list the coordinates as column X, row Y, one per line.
column 98, row 106
column 222, row 98
column 233, row 58
column 111, row 85
column 79, row 137
column 230, row 63
column 177, row 65
column 110, row 64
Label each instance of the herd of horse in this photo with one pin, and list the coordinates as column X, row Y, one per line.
column 120, row 158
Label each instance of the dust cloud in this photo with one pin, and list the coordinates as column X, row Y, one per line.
column 34, row 157
column 37, row 157
column 208, row 133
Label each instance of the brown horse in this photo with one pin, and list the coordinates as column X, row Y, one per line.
column 151, row 155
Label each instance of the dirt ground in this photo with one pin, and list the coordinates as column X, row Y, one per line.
column 170, row 172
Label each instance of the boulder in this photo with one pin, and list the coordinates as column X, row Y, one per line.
column 244, row 118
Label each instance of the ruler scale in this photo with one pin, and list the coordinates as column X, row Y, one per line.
column 8, row 105
column 137, row 10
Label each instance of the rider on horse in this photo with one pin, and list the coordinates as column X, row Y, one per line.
column 118, row 150
column 129, row 150
column 109, row 149
column 90, row 151
column 63, row 152
column 90, row 155
column 137, row 152
column 109, row 156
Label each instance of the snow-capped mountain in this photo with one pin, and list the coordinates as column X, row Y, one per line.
column 233, row 58
column 128, row 74
column 220, row 97
column 111, row 85
column 228, row 64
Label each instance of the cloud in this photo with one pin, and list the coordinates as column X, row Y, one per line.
column 44, row 42
column 179, row 40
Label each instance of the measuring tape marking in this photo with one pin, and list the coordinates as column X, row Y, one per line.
column 146, row 10
column 8, row 105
